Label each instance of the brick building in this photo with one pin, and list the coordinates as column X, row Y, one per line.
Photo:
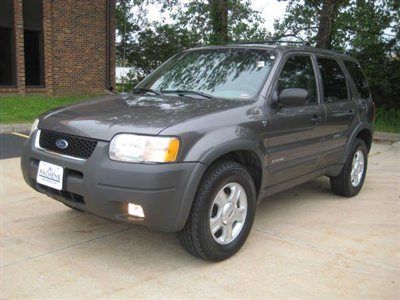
column 57, row 46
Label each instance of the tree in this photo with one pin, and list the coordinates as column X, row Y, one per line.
column 144, row 45
column 368, row 29
column 311, row 21
column 327, row 13
column 219, row 21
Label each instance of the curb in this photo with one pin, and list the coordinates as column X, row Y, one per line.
column 8, row 128
column 386, row 137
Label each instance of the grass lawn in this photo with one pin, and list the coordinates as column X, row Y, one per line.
column 18, row 109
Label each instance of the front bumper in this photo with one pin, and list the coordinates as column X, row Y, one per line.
column 105, row 187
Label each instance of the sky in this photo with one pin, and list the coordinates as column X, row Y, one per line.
column 270, row 10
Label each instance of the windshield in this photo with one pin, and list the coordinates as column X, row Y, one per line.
column 222, row 73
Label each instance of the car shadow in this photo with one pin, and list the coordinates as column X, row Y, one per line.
column 120, row 244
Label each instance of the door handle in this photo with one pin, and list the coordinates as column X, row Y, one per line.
column 351, row 113
column 315, row 119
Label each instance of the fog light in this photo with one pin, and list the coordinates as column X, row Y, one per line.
column 135, row 210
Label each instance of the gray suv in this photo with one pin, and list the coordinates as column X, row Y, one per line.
column 205, row 137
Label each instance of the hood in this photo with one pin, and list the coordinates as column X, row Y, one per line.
column 102, row 118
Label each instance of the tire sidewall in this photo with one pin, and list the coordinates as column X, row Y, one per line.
column 241, row 176
column 358, row 145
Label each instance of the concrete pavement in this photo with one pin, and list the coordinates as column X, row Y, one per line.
column 306, row 243
column 11, row 144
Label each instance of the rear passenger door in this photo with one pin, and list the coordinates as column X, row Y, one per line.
column 294, row 130
column 341, row 110
column 363, row 99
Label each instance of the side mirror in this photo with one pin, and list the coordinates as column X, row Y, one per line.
column 293, row 97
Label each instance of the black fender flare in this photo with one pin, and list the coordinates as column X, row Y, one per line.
column 353, row 136
column 207, row 159
column 232, row 146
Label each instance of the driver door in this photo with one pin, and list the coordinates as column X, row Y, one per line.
column 295, row 130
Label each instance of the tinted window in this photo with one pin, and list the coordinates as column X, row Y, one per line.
column 358, row 78
column 7, row 50
column 33, row 14
column 224, row 73
column 334, row 81
column 6, row 13
column 298, row 72
column 33, row 42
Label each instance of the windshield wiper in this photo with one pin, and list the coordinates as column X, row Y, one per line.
column 144, row 91
column 183, row 92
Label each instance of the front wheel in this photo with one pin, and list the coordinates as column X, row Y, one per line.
column 351, row 179
column 222, row 214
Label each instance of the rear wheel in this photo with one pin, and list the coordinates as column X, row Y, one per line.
column 351, row 179
column 222, row 214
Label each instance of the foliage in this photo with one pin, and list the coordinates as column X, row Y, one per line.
column 144, row 45
column 388, row 119
column 244, row 23
column 18, row 109
column 155, row 45
column 368, row 29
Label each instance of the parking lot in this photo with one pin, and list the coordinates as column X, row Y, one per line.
column 306, row 243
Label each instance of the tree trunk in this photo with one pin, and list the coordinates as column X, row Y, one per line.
column 219, row 21
column 326, row 17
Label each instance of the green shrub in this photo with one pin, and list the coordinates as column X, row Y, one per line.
column 387, row 119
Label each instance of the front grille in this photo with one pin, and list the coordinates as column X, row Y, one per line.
column 77, row 146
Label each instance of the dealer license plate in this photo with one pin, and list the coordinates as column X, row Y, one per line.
column 50, row 175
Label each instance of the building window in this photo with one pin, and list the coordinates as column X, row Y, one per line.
column 7, row 49
column 33, row 42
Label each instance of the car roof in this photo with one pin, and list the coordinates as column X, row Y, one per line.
column 280, row 48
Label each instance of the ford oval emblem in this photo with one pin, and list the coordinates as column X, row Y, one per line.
column 61, row 144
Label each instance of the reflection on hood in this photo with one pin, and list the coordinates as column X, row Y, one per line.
column 102, row 118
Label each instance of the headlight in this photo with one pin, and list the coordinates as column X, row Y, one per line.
column 139, row 148
column 34, row 126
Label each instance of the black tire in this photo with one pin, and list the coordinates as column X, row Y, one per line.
column 341, row 184
column 196, row 237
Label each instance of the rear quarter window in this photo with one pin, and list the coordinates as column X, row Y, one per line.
column 358, row 78
column 333, row 79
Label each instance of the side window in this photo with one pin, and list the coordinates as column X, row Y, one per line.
column 333, row 79
column 358, row 78
column 298, row 72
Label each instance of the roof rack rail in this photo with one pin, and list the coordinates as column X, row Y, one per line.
column 274, row 42
column 344, row 52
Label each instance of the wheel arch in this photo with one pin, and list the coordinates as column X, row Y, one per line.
column 245, row 153
column 246, row 156
column 364, row 132
column 365, row 135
